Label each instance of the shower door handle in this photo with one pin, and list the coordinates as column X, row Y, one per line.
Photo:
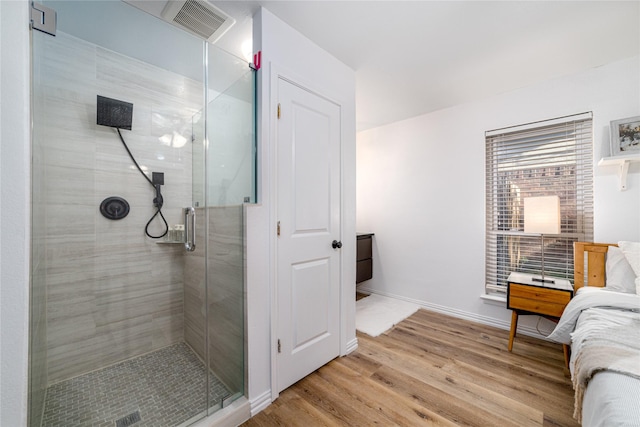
column 190, row 229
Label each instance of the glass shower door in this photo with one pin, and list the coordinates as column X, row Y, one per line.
column 223, row 181
column 231, row 178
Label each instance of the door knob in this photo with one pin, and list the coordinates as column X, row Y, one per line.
column 336, row 245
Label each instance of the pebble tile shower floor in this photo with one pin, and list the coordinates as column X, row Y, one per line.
column 166, row 387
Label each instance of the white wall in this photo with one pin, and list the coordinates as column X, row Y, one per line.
column 14, row 211
column 420, row 187
column 285, row 49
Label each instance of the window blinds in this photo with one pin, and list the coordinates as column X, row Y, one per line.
column 553, row 157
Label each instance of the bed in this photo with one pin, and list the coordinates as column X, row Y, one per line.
column 602, row 325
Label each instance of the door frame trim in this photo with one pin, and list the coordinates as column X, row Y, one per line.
column 277, row 72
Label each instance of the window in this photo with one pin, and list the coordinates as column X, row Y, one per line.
column 552, row 157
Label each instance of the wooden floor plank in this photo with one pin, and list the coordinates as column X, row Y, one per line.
column 289, row 409
column 499, row 357
column 494, row 338
column 397, row 408
column 446, row 405
column 331, row 399
column 360, row 363
column 434, row 370
column 498, row 361
column 393, row 354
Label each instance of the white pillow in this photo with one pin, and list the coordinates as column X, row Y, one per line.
column 620, row 275
column 631, row 251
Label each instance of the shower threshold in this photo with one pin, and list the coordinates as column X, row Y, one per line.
column 165, row 388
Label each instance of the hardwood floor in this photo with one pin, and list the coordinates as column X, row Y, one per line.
column 432, row 369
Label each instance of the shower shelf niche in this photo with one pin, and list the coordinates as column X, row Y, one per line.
column 170, row 242
column 174, row 236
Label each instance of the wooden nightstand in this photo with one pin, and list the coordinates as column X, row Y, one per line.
column 526, row 295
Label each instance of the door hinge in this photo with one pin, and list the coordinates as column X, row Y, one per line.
column 278, row 110
column 278, row 229
column 279, row 346
column 43, row 18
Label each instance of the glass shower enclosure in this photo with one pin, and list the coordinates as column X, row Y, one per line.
column 137, row 265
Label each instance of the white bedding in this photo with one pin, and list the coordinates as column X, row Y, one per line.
column 591, row 298
column 611, row 400
column 603, row 328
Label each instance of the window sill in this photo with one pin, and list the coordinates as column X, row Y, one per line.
column 493, row 299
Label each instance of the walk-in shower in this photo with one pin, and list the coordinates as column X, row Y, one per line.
column 135, row 328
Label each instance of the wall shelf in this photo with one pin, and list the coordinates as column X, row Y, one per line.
column 622, row 162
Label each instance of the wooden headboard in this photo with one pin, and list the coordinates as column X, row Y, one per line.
column 595, row 260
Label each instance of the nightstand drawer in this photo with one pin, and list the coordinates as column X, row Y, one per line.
column 363, row 248
column 550, row 302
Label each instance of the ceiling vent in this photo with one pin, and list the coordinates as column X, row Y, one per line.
column 198, row 17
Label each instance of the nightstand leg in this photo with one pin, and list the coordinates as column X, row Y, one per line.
column 514, row 326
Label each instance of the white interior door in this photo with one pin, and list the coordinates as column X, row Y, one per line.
column 308, row 213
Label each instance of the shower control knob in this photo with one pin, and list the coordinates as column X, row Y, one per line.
column 336, row 245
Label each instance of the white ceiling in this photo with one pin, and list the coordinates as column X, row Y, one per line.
column 415, row 57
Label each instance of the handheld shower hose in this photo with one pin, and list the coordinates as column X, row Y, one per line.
column 158, row 180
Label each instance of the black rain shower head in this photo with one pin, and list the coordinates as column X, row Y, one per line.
column 114, row 113
column 117, row 114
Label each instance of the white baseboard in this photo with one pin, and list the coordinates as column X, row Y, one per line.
column 233, row 415
column 260, row 402
column 473, row 317
column 352, row 346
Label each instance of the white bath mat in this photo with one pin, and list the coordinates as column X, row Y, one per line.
column 376, row 314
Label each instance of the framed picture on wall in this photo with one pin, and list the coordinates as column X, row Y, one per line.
column 625, row 136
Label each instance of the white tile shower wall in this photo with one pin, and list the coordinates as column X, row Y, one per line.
column 225, row 261
column 113, row 293
column 225, row 268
